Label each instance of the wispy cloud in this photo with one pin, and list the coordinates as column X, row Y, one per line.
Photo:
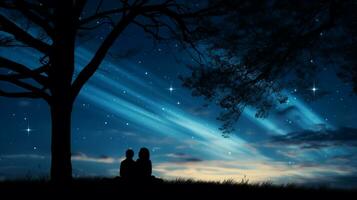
column 310, row 139
column 79, row 156
column 100, row 159
column 182, row 157
column 22, row 156
column 277, row 172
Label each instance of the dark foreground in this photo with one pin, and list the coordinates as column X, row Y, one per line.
column 182, row 189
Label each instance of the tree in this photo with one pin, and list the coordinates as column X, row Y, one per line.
column 59, row 24
column 265, row 47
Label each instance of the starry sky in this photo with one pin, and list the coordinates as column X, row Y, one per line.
column 135, row 101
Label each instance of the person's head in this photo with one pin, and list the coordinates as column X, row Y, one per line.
column 144, row 153
column 129, row 154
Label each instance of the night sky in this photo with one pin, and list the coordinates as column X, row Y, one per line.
column 139, row 101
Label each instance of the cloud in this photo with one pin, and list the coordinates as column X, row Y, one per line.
column 254, row 171
column 79, row 156
column 322, row 138
column 182, row 157
column 22, row 156
column 100, row 159
column 346, row 158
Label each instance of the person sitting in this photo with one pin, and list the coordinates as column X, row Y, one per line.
column 143, row 164
column 127, row 166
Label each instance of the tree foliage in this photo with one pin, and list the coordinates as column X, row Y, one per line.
column 260, row 48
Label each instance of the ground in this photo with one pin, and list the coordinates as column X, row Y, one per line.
column 163, row 189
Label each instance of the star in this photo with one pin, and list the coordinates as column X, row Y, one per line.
column 314, row 89
column 28, row 129
column 171, row 89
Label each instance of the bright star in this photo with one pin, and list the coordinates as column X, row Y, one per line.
column 171, row 89
column 314, row 89
column 28, row 129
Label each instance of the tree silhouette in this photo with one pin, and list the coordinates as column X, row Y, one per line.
column 59, row 24
column 267, row 46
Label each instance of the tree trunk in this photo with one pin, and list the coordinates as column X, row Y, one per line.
column 61, row 167
column 60, row 75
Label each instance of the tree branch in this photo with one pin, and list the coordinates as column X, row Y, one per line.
column 100, row 15
column 93, row 65
column 38, row 8
column 19, row 94
column 22, row 36
column 43, row 23
column 25, row 86
column 24, row 71
column 78, row 7
column 134, row 11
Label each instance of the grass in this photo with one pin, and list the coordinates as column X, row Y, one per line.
column 179, row 188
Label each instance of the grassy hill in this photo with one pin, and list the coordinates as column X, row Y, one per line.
column 164, row 190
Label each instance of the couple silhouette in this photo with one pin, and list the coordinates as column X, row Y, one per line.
column 140, row 169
